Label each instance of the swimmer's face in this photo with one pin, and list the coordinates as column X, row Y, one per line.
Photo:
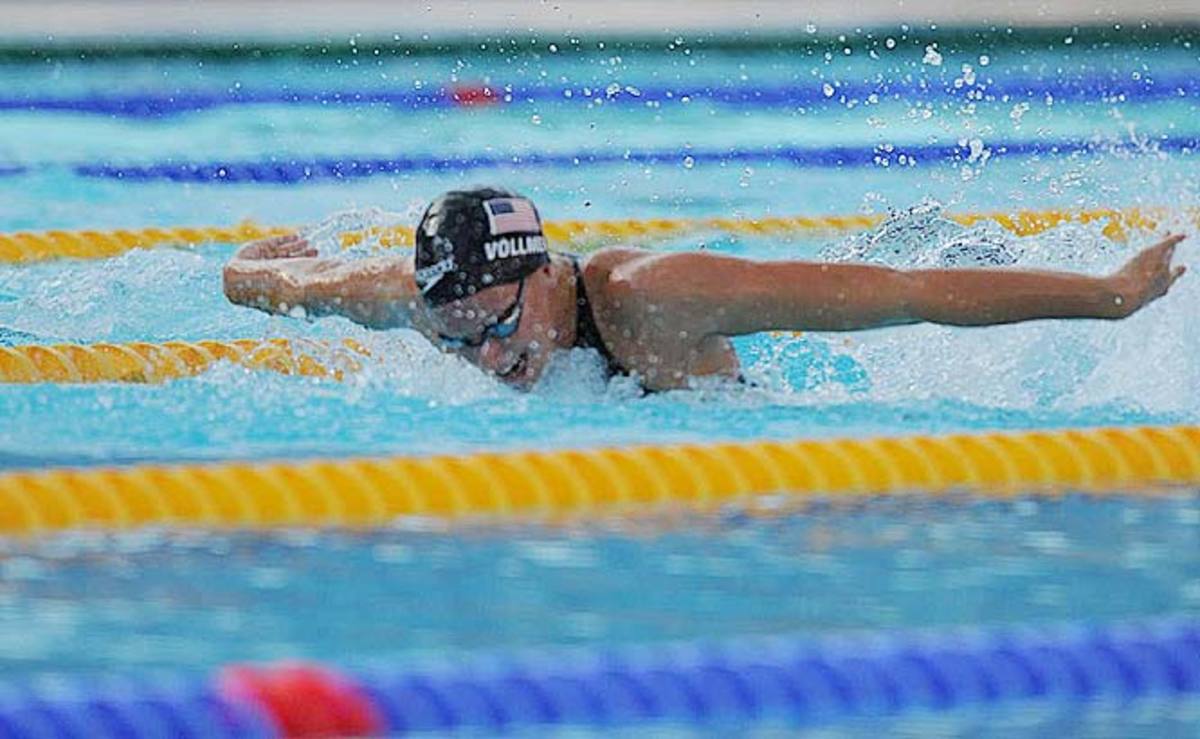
column 503, row 329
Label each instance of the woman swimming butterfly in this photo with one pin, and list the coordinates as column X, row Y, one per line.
column 482, row 283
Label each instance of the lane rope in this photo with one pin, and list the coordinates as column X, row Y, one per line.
column 292, row 171
column 27, row 246
column 31, row 246
column 796, row 680
column 1135, row 461
column 818, row 93
column 133, row 708
column 149, row 362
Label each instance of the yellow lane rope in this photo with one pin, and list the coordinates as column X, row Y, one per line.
column 577, row 235
column 579, row 483
column 96, row 244
column 147, row 362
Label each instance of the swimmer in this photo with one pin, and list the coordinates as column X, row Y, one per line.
column 481, row 283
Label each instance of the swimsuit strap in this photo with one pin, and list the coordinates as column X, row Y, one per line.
column 587, row 333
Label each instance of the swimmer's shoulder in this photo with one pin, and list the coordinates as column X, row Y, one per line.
column 598, row 267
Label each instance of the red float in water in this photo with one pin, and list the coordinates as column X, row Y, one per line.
column 474, row 95
column 304, row 700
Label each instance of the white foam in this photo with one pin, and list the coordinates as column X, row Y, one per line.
column 372, row 223
column 114, row 299
column 1149, row 361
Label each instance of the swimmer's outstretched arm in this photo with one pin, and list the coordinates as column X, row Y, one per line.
column 284, row 274
column 706, row 294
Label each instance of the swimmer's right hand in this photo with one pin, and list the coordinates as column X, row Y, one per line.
column 1147, row 277
column 288, row 246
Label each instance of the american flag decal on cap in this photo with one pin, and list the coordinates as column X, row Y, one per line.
column 511, row 216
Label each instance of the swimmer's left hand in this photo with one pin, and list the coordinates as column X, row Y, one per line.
column 1148, row 276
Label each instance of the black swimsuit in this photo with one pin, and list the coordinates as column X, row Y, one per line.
column 587, row 333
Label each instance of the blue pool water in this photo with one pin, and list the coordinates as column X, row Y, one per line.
column 193, row 601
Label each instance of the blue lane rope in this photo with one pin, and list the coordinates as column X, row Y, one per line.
column 793, row 680
column 788, row 680
column 78, row 709
column 10, row 171
column 297, row 170
column 1102, row 89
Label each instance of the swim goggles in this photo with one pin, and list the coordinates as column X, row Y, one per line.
column 505, row 325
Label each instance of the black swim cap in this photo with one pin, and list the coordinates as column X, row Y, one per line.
column 469, row 240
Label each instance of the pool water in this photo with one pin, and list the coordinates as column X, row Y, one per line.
column 191, row 601
column 163, row 599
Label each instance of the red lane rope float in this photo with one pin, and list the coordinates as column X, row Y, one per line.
column 304, row 700
column 474, row 95
column 578, row 483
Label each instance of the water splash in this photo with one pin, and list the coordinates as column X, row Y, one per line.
column 371, row 223
column 922, row 236
column 1146, row 362
column 112, row 300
